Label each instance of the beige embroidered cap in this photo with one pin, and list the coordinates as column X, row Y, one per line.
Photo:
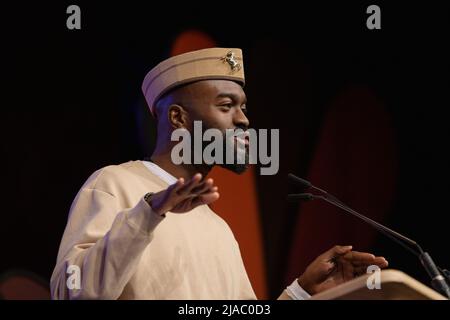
column 212, row 63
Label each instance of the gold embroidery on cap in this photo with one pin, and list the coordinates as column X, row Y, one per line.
column 231, row 60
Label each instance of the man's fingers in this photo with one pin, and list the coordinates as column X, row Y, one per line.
column 357, row 271
column 336, row 251
column 195, row 180
column 381, row 262
column 347, row 270
column 206, row 198
column 177, row 185
column 359, row 263
column 209, row 197
column 203, row 187
column 340, row 250
column 361, row 257
column 378, row 261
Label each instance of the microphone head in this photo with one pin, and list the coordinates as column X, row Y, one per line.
column 300, row 196
column 299, row 181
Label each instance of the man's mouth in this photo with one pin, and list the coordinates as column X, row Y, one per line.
column 242, row 138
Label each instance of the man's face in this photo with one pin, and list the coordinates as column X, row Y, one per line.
column 221, row 104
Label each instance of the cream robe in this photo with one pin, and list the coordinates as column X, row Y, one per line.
column 126, row 251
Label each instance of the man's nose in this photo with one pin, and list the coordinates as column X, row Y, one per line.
column 240, row 119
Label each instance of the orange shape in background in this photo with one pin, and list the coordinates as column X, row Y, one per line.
column 238, row 203
column 238, row 206
column 191, row 40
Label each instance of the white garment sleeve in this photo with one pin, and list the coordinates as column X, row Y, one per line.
column 294, row 292
column 105, row 242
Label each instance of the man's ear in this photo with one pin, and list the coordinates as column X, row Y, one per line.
column 177, row 116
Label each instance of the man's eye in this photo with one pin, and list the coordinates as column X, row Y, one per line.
column 225, row 106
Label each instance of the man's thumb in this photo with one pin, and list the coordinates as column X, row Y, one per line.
column 338, row 251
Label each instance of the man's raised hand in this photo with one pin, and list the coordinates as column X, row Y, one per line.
column 182, row 197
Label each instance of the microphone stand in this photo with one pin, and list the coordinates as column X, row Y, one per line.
column 436, row 274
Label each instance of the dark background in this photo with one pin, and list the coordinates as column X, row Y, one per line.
column 71, row 103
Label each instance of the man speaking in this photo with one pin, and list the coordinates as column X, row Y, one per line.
column 144, row 230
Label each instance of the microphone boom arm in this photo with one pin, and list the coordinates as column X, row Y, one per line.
column 437, row 279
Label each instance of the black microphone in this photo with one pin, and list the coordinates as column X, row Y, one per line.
column 307, row 184
column 300, row 196
column 300, row 181
column 437, row 279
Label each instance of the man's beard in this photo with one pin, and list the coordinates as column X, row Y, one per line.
column 241, row 158
column 238, row 167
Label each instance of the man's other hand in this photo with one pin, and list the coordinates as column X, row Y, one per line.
column 336, row 266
